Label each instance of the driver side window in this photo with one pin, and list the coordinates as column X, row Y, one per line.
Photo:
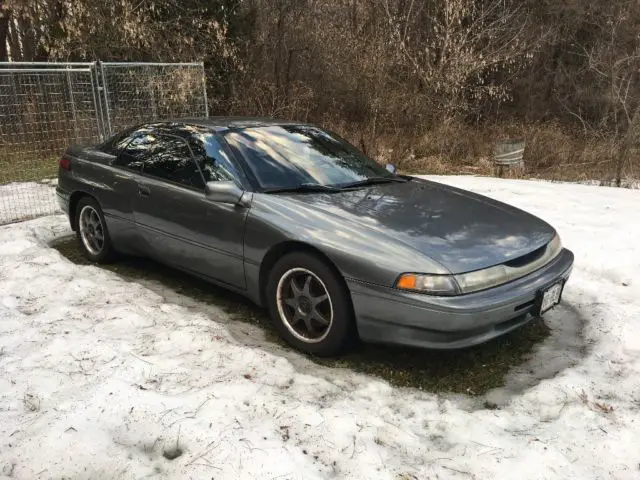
column 215, row 164
column 173, row 162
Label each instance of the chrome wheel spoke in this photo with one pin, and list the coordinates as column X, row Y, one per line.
column 307, row 286
column 295, row 289
column 318, row 317
column 319, row 299
column 296, row 318
column 309, row 324
column 292, row 302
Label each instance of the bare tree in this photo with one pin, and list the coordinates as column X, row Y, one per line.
column 458, row 49
column 606, row 94
column 377, row 69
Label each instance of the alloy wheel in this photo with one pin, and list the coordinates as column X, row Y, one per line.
column 91, row 230
column 304, row 305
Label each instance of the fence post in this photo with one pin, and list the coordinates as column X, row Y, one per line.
column 152, row 98
column 73, row 105
column 204, row 89
column 18, row 125
column 97, row 100
column 106, row 99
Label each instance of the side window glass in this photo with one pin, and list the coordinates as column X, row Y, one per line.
column 137, row 150
column 173, row 162
column 120, row 143
column 214, row 162
column 115, row 144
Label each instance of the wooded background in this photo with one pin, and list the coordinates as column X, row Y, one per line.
column 427, row 84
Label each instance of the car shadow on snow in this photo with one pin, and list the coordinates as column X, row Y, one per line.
column 491, row 373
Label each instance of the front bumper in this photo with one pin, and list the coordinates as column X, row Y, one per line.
column 386, row 315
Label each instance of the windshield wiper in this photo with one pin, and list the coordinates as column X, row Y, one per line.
column 317, row 187
column 375, row 181
column 303, row 187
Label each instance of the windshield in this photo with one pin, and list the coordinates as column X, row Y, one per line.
column 286, row 156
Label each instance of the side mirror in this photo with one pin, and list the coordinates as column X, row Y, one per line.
column 223, row 192
column 391, row 168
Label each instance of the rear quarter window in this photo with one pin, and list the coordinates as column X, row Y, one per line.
column 136, row 150
column 116, row 143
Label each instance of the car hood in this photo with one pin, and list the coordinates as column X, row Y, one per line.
column 460, row 230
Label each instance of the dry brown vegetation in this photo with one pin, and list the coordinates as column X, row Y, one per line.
column 427, row 84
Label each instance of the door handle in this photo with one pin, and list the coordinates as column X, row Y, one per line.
column 143, row 191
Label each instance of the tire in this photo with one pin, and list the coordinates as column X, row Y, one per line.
column 298, row 310
column 91, row 231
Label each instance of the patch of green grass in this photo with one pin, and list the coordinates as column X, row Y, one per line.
column 31, row 170
column 471, row 371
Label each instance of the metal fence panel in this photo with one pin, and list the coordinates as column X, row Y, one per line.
column 42, row 111
column 45, row 107
column 139, row 92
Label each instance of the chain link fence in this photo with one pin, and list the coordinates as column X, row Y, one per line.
column 137, row 92
column 45, row 107
column 42, row 109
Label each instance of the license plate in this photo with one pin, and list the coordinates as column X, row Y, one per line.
column 551, row 297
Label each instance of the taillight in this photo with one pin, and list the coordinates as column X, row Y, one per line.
column 65, row 164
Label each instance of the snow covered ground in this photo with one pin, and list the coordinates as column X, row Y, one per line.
column 21, row 201
column 99, row 377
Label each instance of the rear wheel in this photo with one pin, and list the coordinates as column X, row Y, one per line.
column 91, row 231
column 309, row 304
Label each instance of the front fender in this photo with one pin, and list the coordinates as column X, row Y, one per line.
column 360, row 253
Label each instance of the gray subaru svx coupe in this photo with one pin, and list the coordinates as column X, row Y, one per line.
column 301, row 222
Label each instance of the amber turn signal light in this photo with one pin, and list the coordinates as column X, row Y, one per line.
column 408, row 281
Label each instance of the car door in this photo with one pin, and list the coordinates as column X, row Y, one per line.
column 128, row 149
column 181, row 226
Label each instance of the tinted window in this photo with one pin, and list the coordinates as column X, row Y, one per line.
column 115, row 144
column 289, row 155
column 172, row 161
column 137, row 150
column 215, row 164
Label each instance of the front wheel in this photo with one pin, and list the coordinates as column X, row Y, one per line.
column 91, row 231
column 309, row 304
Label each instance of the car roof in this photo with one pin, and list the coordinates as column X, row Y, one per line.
column 185, row 127
column 230, row 123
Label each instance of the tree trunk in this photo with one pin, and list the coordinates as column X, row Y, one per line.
column 277, row 61
column 28, row 37
column 630, row 140
column 287, row 76
column 14, row 43
column 56, row 34
column 4, row 32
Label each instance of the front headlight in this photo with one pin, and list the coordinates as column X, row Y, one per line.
column 554, row 247
column 481, row 279
column 478, row 280
column 500, row 274
column 431, row 284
